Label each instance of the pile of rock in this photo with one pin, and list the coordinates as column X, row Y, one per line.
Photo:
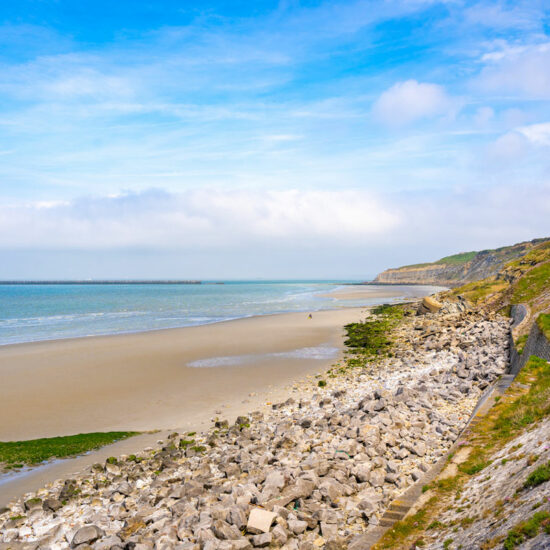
column 313, row 473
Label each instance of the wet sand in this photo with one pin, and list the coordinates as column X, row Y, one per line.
column 144, row 381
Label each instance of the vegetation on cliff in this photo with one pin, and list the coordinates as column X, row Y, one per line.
column 524, row 406
column 544, row 324
column 525, row 280
column 459, row 268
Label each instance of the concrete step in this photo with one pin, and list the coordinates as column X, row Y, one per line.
column 394, row 516
column 386, row 523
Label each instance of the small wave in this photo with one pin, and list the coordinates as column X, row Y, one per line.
column 53, row 319
column 318, row 353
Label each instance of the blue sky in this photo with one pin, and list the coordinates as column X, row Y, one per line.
column 268, row 139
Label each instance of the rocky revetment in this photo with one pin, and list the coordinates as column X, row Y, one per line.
column 318, row 471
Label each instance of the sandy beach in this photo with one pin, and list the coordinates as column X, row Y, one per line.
column 143, row 381
column 390, row 292
column 176, row 379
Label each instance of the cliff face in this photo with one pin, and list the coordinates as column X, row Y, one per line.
column 458, row 269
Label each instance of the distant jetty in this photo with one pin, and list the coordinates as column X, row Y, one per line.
column 109, row 282
column 378, row 283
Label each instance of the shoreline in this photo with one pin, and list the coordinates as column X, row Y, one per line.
column 274, row 379
column 341, row 292
column 338, row 449
column 234, row 405
column 143, row 381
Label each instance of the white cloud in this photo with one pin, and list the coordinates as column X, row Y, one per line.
column 408, row 101
column 517, row 69
column 508, row 148
column 198, row 218
column 520, row 142
column 537, row 134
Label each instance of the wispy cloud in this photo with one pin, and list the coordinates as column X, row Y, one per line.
column 518, row 69
column 194, row 219
column 310, row 121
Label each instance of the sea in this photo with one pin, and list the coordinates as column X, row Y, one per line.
column 35, row 312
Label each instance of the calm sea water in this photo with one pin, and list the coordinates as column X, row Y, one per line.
column 44, row 312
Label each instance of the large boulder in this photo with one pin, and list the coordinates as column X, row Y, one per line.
column 86, row 535
column 428, row 305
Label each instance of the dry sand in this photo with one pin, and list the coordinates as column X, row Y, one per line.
column 143, row 381
column 381, row 292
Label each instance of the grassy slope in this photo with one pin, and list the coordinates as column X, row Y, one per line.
column 458, row 259
column 532, row 284
column 522, row 280
column 544, row 324
column 504, row 254
column 516, row 411
column 18, row 453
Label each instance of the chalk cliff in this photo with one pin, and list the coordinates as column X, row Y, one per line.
column 459, row 268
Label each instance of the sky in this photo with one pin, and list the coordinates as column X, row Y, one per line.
column 265, row 139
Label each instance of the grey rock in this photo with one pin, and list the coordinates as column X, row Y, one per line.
column 376, row 477
column 237, row 517
column 52, row 504
column 280, row 535
column 86, row 535
column 33, row 504
column 297, row 526
column 359, row 542
column 362, row 472
column 224, row 531
column 261, row 541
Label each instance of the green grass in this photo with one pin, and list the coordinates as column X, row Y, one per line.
column 455, row 259
column 518, row 409
column 35, row 451
column 532, row 284
column 543, row 321
column 527, row 530
column 538, row 476
column 520, row 343
column 477, row 291
column 475, row 468
column 458, row 259
column 402, row 529
column 529, row 407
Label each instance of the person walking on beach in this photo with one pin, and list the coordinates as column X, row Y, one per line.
column 310, row 316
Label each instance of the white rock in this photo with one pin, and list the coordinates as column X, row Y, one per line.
column 259, row 521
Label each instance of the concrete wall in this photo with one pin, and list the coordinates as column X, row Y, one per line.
column 537, row 344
